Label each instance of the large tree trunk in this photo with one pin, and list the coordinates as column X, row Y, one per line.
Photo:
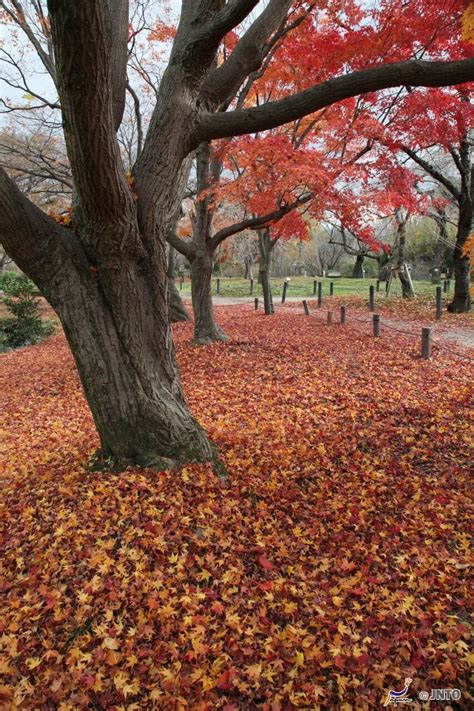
column 133, row 391
column 265, row 247
column 461, row 302
column 117, row 325
column 358, row 270
column 113, row 302
column 206, row 329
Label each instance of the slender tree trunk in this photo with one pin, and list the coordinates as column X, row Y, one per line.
column 402, row 267
column 461, row 302
column 358, row 270
column 265, row 247
column 177, row 308
column 248, row 262
column 206, row 329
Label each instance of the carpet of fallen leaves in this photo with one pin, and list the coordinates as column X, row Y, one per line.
column 331, row 564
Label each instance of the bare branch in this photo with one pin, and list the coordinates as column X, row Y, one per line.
column 433, row 171
column 138, row 118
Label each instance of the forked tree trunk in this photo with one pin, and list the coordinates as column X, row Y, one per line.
column 461, row 302
column 206, row 329
column 358, row 270
column 265, row 247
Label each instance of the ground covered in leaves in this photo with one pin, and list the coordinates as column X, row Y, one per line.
column 330, row 566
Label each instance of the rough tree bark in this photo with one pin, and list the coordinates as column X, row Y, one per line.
column 107, row 277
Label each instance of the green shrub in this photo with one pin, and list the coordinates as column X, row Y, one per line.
column 25, row 326
column 5, row 277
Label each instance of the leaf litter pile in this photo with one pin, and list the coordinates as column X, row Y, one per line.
column 330, row 565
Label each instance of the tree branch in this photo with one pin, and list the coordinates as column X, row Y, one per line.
column 433, row 171
column 138, row 118
column 223, row 82
column 276, row 113
column 232, row 14
column 183, row 247
column 255, row 223
column 34, row 241
column 117, row 11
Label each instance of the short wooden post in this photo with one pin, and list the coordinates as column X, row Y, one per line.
column 376, row 324
column 371, row 297
column 426, row 343
column 329, row 318
column 285, row 288
column 439, row 303
column 256, row 303
column 251, row 287
column 343, row 314
column 218, row 285
column 305, row 306
column 320, row 294
column 181, row 283
column 377, row 285
column 331, row 288
column 315, row 286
